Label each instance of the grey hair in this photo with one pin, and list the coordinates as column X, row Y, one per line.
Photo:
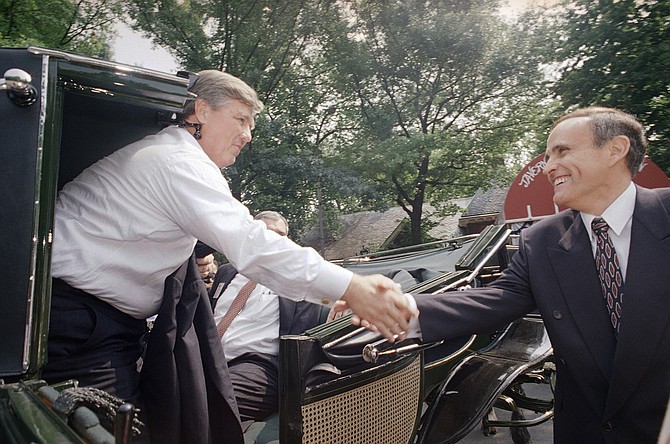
column 217, row 88
column 271, row 215
column 608, row 123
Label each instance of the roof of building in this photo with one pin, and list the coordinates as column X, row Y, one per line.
column 370, row 231
column 359, row 233
column 489, row 201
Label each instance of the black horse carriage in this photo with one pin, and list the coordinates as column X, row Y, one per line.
column 338, row 383
column 438, row 392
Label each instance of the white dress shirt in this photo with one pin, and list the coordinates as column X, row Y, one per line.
column 619, row 217
column 256, row 327
column 128, row 221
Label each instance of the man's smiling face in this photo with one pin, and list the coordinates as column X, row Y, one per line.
column 576, row 168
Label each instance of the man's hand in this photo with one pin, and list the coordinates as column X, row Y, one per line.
column 207, row 268
column 378, row 304
column 340, row 308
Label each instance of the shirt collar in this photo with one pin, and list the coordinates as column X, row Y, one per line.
column 183, row 134
column 618, row 213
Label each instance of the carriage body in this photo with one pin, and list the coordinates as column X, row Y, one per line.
column 438, row 392
column 61, row 112
column 76, row 110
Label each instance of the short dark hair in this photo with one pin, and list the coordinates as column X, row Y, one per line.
column 607, row 123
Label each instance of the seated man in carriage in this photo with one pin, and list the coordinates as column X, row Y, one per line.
column 254, row 321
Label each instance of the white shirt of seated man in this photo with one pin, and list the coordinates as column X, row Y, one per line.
column 256, row 327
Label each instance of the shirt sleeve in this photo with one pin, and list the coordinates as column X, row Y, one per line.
column 197, row 196
column 414, row 329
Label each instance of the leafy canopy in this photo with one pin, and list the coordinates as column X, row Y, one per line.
column 444, row 90
column 83, row 26
column 617, row 53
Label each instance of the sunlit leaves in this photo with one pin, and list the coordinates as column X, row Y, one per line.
column 83, row 26
column 618, row 54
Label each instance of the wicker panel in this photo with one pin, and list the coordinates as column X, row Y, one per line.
column 381, row 412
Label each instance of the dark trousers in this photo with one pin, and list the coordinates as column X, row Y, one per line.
column 94, row 343
column 255, row 379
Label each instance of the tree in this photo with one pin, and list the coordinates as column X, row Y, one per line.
column 83, row 26
column 369, row 102
column 618, row 54
column 284, row 167
column 445, row 89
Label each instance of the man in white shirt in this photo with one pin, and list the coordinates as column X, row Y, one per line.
column 131, row 219
column 611, row 342
column 251, row 341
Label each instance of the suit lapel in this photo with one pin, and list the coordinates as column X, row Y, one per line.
column 573, row 264
column 646, row 293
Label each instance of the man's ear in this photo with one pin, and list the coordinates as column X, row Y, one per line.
column 618, row 149
column 201, row 111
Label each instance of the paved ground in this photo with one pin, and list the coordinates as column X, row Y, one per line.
column 539, row 434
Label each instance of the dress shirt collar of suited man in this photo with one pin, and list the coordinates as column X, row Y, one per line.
column 591, row 158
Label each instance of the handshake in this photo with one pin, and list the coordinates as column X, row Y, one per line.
column 378, row 304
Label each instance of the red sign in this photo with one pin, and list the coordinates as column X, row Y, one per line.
column 530, row 197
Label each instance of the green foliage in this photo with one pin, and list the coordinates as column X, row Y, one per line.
column 256, row 40
column 286, row 172
column 444, row 90
column 369, row 103
column 84, row 26
column 177, row 25
column 618, row 54
column 273, row 46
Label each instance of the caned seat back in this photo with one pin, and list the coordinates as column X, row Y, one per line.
column 370, row 403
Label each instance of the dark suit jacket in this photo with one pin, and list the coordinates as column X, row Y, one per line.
column 294, row 317
column 607, row 391
column 184, row 381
